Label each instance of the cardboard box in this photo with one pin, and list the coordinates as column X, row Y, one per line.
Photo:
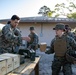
column 3, row 67
column 15, row 59
column 9, row 63
column 43, row 47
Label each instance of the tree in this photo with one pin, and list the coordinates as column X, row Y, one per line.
column 44, row 11
column 72, row 15
column 61, row 8
column 72, row 6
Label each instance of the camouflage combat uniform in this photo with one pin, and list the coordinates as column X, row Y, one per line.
column 70, row 34
column 10, row 38
column 59, row 46
column 34, row 41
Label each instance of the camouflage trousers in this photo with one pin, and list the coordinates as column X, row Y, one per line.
column 61, row 62
column 7, row 50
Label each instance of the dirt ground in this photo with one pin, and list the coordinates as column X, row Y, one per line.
column 46, row 62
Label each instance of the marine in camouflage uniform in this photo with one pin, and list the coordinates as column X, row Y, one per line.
column 11, row 36
column 68, row 31
column 60, row 45
column 33, row 44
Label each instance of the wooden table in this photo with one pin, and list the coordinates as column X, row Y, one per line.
column 27, row 68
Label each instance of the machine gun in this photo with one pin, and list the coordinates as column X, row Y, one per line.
column 28, row 53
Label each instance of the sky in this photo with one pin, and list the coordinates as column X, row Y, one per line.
column 24, row 8
column 1, row 26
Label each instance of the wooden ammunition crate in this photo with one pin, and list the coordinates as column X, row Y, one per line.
column 3, row 67
column 15, row 59
column 9, row 63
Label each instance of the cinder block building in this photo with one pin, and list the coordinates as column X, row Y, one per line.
column 43, row 26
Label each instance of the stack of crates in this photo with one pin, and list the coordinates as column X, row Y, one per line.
column 15, row 59
column 12, row 61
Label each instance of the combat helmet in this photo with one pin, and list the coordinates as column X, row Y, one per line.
column 59, row 26
column 71, row 57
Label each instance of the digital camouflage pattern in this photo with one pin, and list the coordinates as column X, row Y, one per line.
column 70, row 34
column 71, row 56
column 10, row 38
column 61, row 60
column 34, row 41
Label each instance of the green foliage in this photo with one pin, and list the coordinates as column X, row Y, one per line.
column 60, row 10
column 72, row 15
column 50, row 13
column 45, row 11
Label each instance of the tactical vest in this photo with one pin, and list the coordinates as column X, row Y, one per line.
column 60, row 46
